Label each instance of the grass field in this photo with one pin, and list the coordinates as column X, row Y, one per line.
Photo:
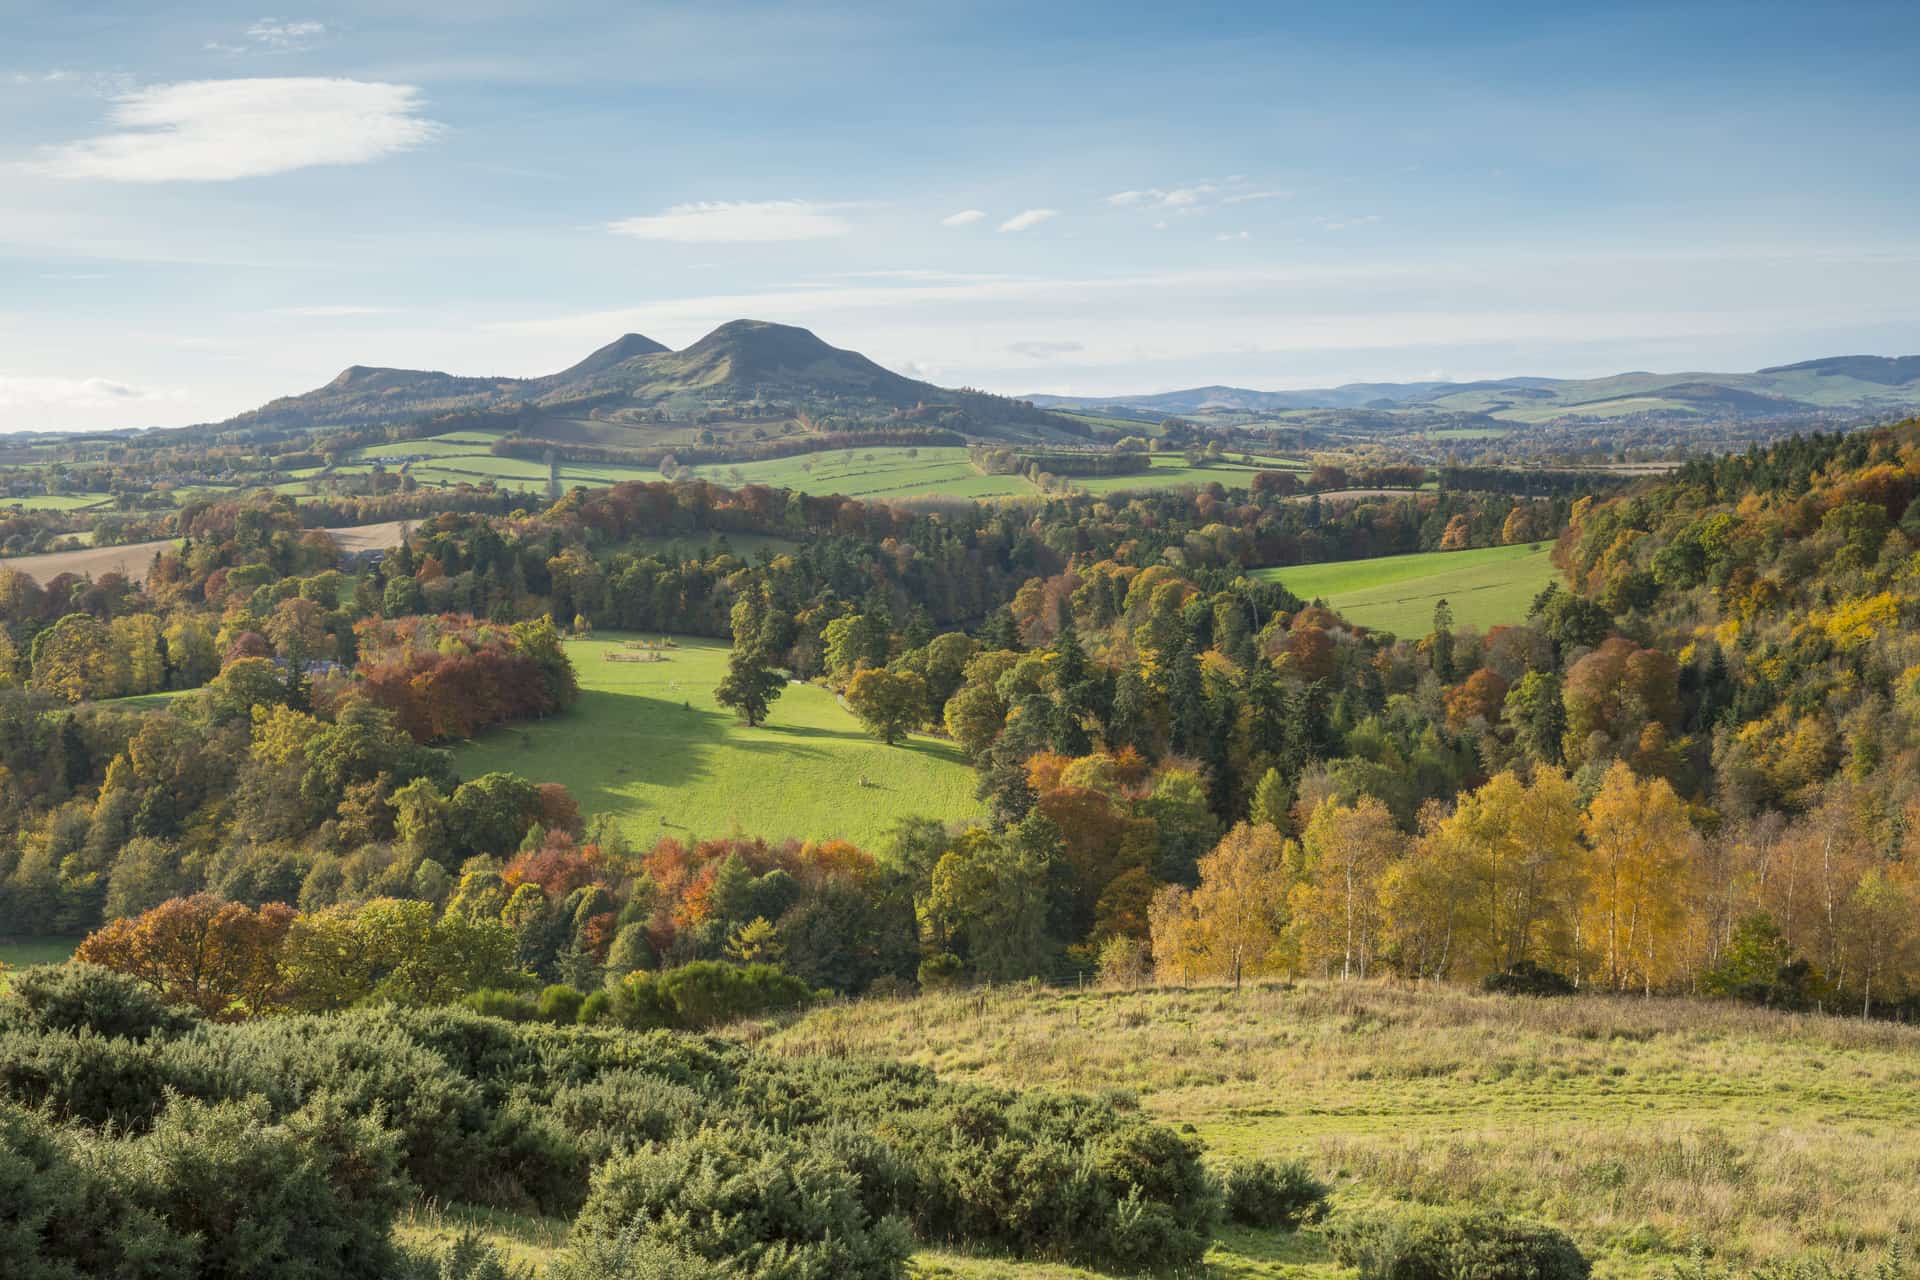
column 1485, row 587
column 648, row 743
column 887, row 472
column 18, row 953
column 1642, row 1127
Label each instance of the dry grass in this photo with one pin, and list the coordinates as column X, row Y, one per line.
column 1644, row 1127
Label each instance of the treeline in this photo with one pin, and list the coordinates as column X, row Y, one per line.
column 1000, row 461
column 538, row 450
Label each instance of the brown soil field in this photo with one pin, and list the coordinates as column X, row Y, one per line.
column 134, row 558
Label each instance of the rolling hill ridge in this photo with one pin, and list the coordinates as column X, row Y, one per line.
column 1865, row 384
column 745, row 369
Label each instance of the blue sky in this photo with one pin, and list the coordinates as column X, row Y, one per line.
column 204, row 206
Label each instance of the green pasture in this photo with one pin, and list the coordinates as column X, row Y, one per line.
column 648, row 744
column 1485, row 587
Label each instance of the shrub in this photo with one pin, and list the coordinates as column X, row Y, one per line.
column 704, row 994
column 468, row 1258
column 1272, row 1194
column 758, row 1203
column 621, row 1110
column 1434, row 1245
column 631, row 1257
column 495, row 1003
column 938, row 973
column 309, row 1199
column 1527, row 978
column 560, row 1005
column 61, row 1218
column 75, row 997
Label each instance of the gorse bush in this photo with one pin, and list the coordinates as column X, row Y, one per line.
column 76, row 997
column 1272, row 1194
column 767, row 1205
column 703, row 994
column 460, row 1107
column 212, row 1192
column 1448, row 1245
column 1527, row 978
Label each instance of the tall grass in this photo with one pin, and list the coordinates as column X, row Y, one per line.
column 1648, row 1128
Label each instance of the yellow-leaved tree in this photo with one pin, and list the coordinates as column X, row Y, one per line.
column 1335, row 908
column 1491, row 884
column 1233, row 926
column 1640, row 850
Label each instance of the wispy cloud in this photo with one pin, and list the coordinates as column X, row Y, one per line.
column 737, row 222
column 964, row 218
column 274, row 35
column 1341, row 224
column 1234, row 235
column 1164, row 197
column 84, row 393
column 221, row 130
column 1028, row 218
column 1245, row 197
column 1041, row 349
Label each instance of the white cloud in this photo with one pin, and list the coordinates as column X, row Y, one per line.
column 1246, row 196
column 220, row 130
column 964, row 218
column 737, row 222
column 1234, row 235
column 1028, row 218
column 1164, row 198
column 1341, row 224
column 72, row 393
column 275, row 34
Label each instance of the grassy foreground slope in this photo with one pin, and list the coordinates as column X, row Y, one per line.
column 1643, row 1127
column 648, row 744
column 1485, row 587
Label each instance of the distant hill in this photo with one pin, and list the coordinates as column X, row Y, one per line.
column 1865, row 384
column 634, row 387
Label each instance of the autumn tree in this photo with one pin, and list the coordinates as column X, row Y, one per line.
column 1493, row 883
column 218, row 957
column 1335, row 908
column 75, row 659
column 1633, row 910
column 889, row 703
column 1239, row 908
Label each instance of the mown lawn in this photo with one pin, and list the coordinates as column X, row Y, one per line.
column 1485, row 587
column 648, row 744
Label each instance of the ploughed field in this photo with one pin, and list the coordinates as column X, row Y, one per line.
column 1486, row 587
column 648, row 743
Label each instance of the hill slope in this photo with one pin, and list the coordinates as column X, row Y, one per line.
column 1863, row 383
column 746, row 369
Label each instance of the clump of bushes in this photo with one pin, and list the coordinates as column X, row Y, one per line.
column 761, row 1202
column 85, row 997
column 1278, row 1195
column 1526, row 978
column 1445, row 1245
column 462, row 1107
column 213, row 1192
column 703, row 994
